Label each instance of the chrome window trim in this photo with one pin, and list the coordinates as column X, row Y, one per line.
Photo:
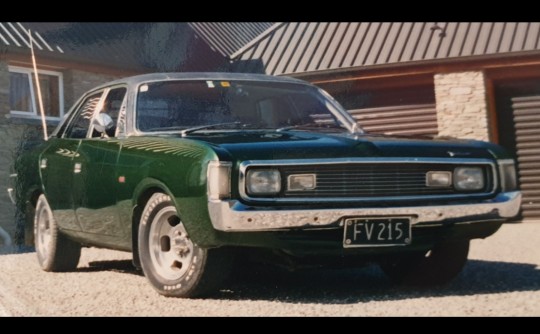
column 294, row 162
column 342, row 114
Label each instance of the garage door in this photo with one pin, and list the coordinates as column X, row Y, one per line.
column 418, row 119
column 527, row 124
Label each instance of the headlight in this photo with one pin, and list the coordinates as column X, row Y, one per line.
column 468, row 178
column 507, row 170
column 263, row 182
column 219, row 180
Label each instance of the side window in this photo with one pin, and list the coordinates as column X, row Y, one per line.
column 111, row 106
column 81, row 122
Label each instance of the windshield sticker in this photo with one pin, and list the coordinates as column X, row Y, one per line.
column 210, row 84
column 144, row 88
column 225, row 84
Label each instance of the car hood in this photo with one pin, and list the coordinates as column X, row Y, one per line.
column 264, row 145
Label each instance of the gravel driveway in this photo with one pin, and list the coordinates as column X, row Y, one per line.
column 501, row 278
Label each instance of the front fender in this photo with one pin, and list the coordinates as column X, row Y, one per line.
column 193, row 211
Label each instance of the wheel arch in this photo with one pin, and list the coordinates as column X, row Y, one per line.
column 142, row 194
column 27, row 210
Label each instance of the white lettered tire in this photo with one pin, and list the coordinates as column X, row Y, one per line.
column 174, row 264
column 55, row 252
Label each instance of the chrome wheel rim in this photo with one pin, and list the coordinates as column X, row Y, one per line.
column 171, row 249
column 43, row 229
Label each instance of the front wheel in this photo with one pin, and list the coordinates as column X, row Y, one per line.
column 437, row 266
column 55, row 252
column 174, row 264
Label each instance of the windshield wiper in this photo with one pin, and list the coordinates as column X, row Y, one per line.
column 210, row 126
column 312, row 126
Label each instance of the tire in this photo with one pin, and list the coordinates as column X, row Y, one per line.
column 55, row 252
column 174, row 264
column 438, row 266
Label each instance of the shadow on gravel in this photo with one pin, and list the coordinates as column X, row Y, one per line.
column 348, row 286
column 119, row 266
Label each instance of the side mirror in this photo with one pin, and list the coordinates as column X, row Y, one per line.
column 102, row 123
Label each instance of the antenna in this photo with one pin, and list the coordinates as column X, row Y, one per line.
column 38, row 86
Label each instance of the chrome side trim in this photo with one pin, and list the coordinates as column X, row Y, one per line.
column 11, row 195
column 273, row 163
column 233, row 216
column 11, row 189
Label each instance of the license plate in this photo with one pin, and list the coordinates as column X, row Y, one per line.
column 373, row 232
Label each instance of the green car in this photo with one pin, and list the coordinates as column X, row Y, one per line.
column 192, row 172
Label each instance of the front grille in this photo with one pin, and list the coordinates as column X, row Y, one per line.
column 374, row 180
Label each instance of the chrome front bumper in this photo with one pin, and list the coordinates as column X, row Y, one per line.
column 233, row 216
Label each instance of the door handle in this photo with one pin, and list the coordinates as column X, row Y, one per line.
column 43, row 163
column 77, row 168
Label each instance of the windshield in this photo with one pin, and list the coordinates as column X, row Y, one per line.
column 207, row 105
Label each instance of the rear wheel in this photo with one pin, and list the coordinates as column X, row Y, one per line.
column 174, row 264
column 437, row 266
column 55, row 252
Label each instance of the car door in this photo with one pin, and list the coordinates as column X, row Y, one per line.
column 57, row 163
column 95, row 180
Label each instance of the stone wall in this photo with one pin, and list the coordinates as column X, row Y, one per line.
column 461, row 105
column 77, row 82
column 10, row 136
column 4, row 88
column 13, row 129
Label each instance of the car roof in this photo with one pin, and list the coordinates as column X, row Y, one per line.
column 133, row 80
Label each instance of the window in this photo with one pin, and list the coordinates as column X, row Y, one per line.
column 23, row 93
column 81, row 120
column 111, row 106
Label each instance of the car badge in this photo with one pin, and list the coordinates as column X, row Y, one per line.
column 453, row 154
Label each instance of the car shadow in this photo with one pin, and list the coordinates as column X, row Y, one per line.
column 119, row 266
column 351, row 286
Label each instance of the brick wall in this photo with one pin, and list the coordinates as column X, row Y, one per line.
column 461, row 105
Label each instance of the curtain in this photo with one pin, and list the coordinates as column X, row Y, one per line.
column 20, row 98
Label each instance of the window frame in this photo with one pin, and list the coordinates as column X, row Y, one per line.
column 104, row 95
column 36, row 114
column 65, row 126
column 77, row 111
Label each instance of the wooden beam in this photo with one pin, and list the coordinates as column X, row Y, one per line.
column 492, row 111
column 494, row 63
column 24, row 60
